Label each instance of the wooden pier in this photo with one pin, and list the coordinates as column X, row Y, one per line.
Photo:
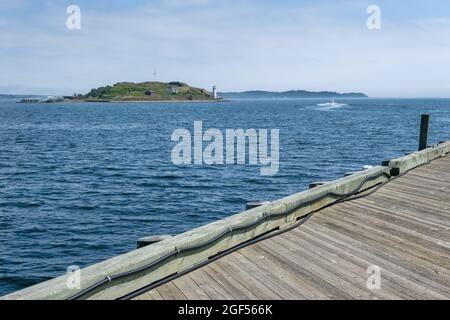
column 403, row 229
column 395, row 229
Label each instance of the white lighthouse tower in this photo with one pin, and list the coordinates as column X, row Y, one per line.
column 214, row 92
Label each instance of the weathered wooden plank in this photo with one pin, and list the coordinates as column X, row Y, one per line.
column 171, row 292
column 403, row 228
column 57, row 289
column 356, row 267
column 226, row 280
column 406, row 235
column 270, row 279
column 286, row 284
column 392, row 228
column 390, row 273
column 428, row 263
column 411, row 207
column 286, row 275
column 210, row 286
column 190, row 289
column 394, row 268
column 328, row 271
column 429, row 237
column 307, row 274
column 235, row 269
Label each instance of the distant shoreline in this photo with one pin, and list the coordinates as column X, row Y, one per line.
column 292, row 94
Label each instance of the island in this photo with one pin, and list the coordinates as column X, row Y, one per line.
column 153, row 91
column 146, row 92
column 292, row 94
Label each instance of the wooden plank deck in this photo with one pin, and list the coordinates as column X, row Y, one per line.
column 403, row 228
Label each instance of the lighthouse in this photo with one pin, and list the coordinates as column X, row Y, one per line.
column 214, row 92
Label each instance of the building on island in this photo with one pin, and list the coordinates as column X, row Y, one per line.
column 172, row 89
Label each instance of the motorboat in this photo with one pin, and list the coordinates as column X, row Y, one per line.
column 331, row 104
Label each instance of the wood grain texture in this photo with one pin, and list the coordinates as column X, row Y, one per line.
column 404, row 228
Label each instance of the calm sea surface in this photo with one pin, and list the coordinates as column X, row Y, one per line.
column 80, row 183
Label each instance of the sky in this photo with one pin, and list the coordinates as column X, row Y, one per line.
column 235, row 44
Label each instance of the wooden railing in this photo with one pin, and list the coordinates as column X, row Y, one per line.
column 283, row 214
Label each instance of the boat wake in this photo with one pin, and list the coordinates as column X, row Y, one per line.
column 331, row 105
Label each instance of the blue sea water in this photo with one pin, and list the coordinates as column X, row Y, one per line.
column 80, row 183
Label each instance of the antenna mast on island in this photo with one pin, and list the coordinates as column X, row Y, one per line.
column 154, row 74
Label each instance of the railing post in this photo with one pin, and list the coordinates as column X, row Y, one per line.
column 423, row 140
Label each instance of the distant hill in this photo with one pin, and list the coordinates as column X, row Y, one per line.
column 289, row 94
column 147, row 91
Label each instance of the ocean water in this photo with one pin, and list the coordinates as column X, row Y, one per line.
column 80, row 183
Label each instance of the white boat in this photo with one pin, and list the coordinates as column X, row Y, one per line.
column 331, row 104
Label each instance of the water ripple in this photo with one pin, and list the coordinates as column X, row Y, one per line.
column 81, row 183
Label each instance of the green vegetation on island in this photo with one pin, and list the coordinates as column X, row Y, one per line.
column 147, row 91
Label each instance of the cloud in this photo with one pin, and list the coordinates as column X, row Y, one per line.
column 247, row 45
column 185, row 3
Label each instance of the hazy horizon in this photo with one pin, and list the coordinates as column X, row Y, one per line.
column 250, row 45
